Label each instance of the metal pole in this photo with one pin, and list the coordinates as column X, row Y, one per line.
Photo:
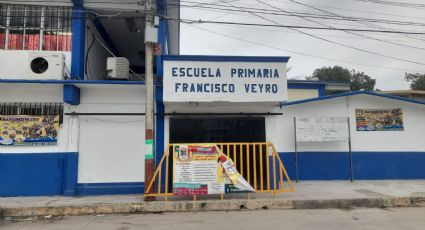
column 296, row 149
column 349, row 150
column 149, row 118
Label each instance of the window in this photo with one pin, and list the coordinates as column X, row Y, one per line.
column 24, row 27
column 12, row 108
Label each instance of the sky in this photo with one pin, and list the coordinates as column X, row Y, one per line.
column 309, row 53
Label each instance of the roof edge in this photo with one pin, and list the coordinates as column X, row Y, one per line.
column 372, row 93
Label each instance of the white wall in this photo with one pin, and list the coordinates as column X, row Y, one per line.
column 411, row 139
column 33, row 93
column 111, row 147
column 280, row 129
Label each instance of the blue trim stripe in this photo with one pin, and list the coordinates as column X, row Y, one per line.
column 94, row 82
column 224, row 58
column 352, row 94
column 86, row 189
column 318, row 82
column 78, row 40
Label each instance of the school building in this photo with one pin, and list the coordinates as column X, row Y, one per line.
column 72, row 120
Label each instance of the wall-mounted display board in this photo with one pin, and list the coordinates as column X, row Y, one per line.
column 321, row 129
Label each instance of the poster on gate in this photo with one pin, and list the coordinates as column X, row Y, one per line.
column 29, row 129
column 204, row 170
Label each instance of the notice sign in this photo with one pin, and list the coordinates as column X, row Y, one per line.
column 379, row 120
column 225, row 81
column 29, row 130
column 310, row 129
column 203, row 170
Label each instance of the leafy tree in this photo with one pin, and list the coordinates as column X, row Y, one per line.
column 358, row 80
column 417, row 80
column 336, row 73
column 361, row 81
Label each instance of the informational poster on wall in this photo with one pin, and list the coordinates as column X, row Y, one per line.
column 321, row 129
column 204, row 170
column 379, row 120
column 29, row 130
column 225, row 81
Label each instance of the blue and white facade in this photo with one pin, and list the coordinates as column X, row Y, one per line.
column 98, row 154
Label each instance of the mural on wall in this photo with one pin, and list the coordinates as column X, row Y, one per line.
column 28, row 129
column 379, row 120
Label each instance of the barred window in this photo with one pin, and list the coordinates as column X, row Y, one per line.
column 29, row 27
column 18, row 108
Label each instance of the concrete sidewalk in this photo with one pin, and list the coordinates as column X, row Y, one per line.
column 308, row 195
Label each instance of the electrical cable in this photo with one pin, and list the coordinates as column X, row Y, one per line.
column 305, row 54
column 87, row 55
column 361, row 35
column 338, row 43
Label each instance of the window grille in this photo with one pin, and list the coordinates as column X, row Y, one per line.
column 12, row 108
column 30, row 27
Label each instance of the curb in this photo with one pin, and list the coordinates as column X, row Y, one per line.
column 209, row 205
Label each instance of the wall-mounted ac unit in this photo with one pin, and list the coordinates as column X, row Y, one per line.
column 32, row 65
column 117, row 68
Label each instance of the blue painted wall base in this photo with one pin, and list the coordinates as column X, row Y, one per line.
column 366, row 165
column 38, row 174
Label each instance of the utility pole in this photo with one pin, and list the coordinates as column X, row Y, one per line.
column 149, row 117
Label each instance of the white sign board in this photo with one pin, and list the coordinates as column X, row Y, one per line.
column 311, row 129
column 224, row 81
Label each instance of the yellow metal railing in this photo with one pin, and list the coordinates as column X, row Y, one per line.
column 259, row 163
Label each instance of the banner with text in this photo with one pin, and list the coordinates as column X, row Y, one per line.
column 28, row 129
column 203, row 170
column 225, row 81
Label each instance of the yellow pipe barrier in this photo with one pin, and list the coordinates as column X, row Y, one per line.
column 246, row 159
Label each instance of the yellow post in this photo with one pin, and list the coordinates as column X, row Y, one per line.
column 166, row 170
column 234, row 154
column 261, row 168
column 241, row 160
column 248, row 164
column 254, row 155
column 274, row 171
column 268, row 167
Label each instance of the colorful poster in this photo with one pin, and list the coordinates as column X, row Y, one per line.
column 379, row 120
column 28, row 129
column 204, row 170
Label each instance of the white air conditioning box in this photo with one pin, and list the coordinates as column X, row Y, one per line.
column 117, row 68
column 32, row 65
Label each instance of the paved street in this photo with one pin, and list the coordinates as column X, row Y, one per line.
column 388, row 219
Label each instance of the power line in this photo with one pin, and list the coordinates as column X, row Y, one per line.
column 338, row 43
column 291, row 13
column 301, row 53
column 191, row 21
column 400, row 4
column 361, row 35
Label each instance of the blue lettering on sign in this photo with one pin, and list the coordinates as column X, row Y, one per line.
column 174, row 72
column 261, row 88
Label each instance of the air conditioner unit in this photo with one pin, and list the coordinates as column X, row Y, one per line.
column 117, row 68
column 30, row 65
column 46, row 65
